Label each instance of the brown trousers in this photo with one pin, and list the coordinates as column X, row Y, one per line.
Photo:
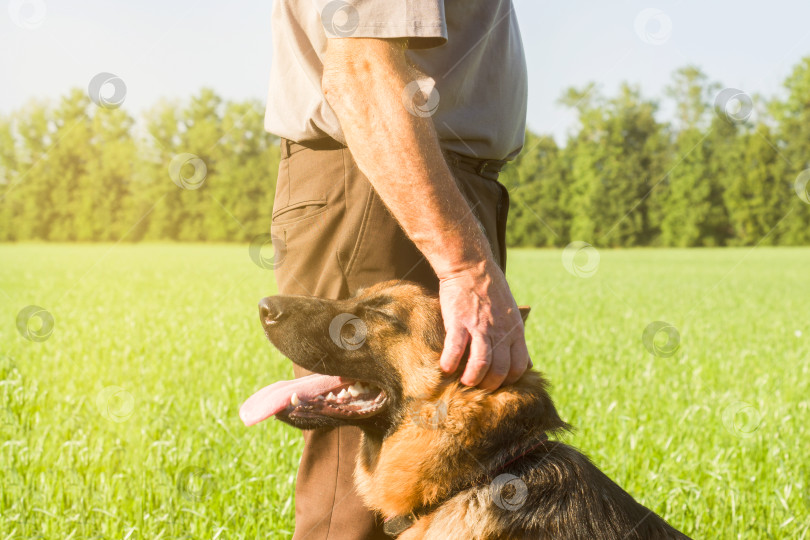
column 333, row 235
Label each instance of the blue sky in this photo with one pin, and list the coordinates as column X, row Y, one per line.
column 171, row 49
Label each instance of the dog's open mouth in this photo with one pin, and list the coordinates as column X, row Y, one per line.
column 314, row 395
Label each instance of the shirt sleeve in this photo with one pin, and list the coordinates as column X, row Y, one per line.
column 421, row 21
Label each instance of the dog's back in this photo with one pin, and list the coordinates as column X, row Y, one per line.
column 556, row 493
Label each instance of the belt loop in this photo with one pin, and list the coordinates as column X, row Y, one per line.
column 285, row 148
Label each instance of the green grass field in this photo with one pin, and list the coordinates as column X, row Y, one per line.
column 123, row 423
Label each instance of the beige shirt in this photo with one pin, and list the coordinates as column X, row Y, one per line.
column 470, row 50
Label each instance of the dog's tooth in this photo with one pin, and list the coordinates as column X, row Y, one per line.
column 360, row 388
column 294, row 400
column 330, row 396
column 319, row 397
column 343, row 393
column 354, row 390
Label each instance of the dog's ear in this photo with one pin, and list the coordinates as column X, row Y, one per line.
column 524, row 312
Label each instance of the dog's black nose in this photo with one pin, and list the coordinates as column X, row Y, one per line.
column 271, row 310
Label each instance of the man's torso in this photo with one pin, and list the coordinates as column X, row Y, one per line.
column 478, row 69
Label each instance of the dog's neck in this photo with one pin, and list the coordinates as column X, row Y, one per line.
column 446, row 443
column 396, row 525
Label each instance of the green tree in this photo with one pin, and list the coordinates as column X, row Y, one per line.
column 692, row 93
column 615, row 163
column 8, row 174
column 793, row 143
column 250, row 158
column 538, row 191
column 690, row 206
column 104, row 198
column 65, row 168
column 755, row 196
column 154, row 194
column 50, row 155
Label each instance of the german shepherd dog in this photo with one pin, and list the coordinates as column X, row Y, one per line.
column 438, row 460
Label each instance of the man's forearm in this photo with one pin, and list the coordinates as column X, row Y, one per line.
column 399, row 153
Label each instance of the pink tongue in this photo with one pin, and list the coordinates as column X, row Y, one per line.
column 273, row 399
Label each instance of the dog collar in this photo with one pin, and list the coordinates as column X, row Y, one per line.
column 399, row 524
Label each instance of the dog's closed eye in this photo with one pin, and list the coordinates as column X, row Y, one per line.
column 385, row 309
column 389, row 317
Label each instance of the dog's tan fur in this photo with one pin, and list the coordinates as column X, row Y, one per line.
column 399, row 475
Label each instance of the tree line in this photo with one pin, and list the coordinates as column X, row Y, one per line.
column 727, row 168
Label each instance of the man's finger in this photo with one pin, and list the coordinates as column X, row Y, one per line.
column 520, row 361
column 479, row 361
column 455, row 342
column 499, row 369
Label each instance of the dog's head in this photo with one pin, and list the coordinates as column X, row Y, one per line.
column 374, row 355
column 368, row 353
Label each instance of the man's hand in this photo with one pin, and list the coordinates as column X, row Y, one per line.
column 479, row 309
column 399, row 153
